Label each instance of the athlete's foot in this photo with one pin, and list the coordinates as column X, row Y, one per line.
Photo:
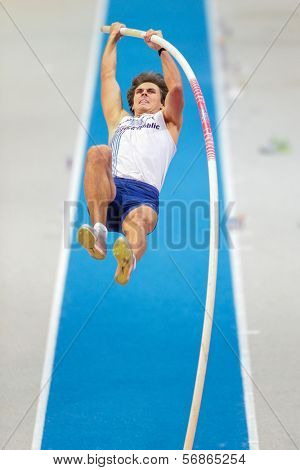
column 92, row 241
column 124, row 256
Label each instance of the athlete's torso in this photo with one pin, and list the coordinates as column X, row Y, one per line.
column 142, row 148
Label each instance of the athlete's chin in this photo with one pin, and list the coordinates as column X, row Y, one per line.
column 145, row 109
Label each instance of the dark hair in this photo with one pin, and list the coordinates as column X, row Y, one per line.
column 151, row 77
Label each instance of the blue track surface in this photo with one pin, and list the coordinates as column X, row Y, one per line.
column 126, row 357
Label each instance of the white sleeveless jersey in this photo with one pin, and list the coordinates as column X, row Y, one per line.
column 142, row 149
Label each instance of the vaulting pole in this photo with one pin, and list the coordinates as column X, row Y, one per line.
column 214, row 227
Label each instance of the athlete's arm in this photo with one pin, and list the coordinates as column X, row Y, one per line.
column 111, row 99
column 174, row 100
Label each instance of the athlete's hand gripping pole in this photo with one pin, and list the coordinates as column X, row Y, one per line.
column 135, row 33
column 214, row 226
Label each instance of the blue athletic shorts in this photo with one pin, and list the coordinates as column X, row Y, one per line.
column 130, row 194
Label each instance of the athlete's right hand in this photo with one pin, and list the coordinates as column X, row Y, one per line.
column 115, row 30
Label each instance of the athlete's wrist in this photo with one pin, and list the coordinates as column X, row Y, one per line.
column 113, row 38
column 161, row 50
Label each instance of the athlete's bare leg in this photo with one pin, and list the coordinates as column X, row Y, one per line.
column 138, row 223
column 136, row 226
column 99, row 187
column 99, row 191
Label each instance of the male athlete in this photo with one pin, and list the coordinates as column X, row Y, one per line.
column 123, row 179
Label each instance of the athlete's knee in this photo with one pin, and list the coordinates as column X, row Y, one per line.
column 99, row 155
column 142, row 220
column 132, row 223
column 149, row 222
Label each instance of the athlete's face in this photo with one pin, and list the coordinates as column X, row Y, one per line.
column 147, row 99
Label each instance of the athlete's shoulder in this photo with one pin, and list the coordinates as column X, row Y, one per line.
column 112, row 129
column 124, row 114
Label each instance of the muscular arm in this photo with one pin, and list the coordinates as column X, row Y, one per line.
column 174, row 99
column 111, row 99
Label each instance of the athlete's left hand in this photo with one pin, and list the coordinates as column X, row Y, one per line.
column 149, row 43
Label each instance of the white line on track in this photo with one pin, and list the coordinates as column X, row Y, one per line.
column 224, row 148
column 90, row 84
